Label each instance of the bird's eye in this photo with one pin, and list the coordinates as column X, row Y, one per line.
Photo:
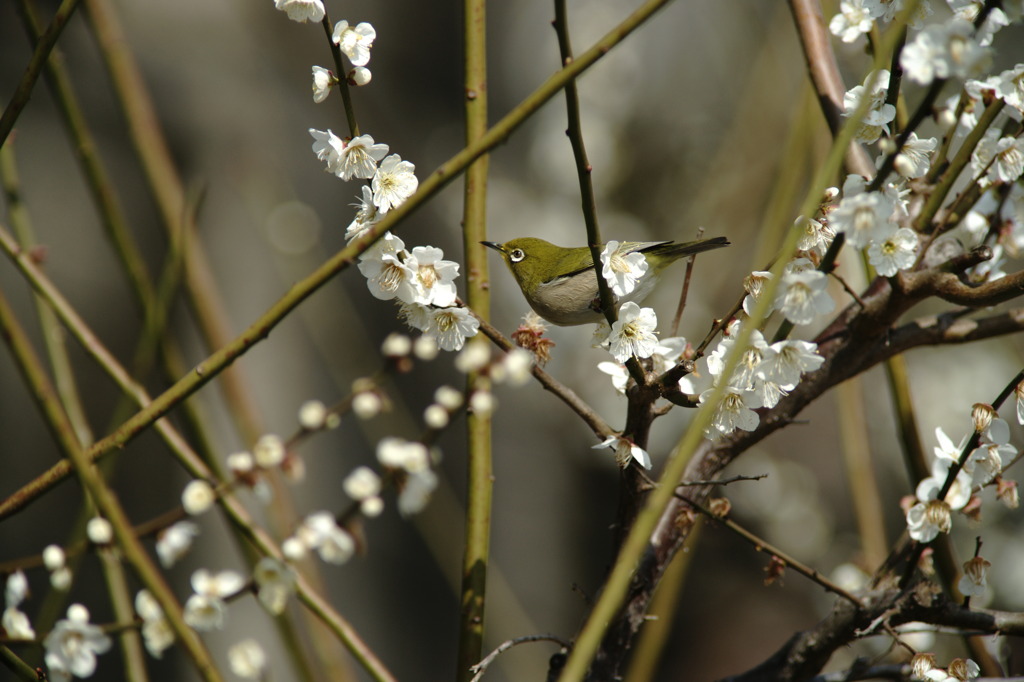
column 516, row 255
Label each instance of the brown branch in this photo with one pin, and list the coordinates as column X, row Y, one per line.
column 825, row 76
column 592, row 419
column 858, row 338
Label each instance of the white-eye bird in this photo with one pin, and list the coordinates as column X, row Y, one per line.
column 560, row 283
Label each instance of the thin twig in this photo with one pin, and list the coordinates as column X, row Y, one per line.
column 723, row 481
column 761, row 546
column 686, row 287
column 564, row 393
column 480, row 668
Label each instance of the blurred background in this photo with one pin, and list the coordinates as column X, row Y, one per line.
column 688, row 124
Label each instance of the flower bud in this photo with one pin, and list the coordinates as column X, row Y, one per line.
column 99, row 530
column 359, row 76
column 312, row 415
column 972, row 584
column 396, row 345
column 1006, row 492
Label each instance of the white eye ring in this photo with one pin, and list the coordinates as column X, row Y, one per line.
column 516, row 255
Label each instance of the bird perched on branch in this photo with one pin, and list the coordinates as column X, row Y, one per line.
column 560, row 283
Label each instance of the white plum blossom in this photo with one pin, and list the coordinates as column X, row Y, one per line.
column 72, row 645
column 926, row 520
column 328, row 147
column 1010, row 87
column 944, row 51
column 386, row 273
column 744, row 374
column 302, row 10
column 914, row 159
column 394, row 182
column 433, row 280
column 323, row 81
column 355, row 41
column 972, row 582
column 359, row 158
column 363, row 482
column 320, row 531
column 963, row 669
column 450, row 327
column 482, row 403
column 893, row 253
column 269, row 451
column 53, row 557
column 206, row 610
column 814, row 238
column 366, row 215
column 418, row 486
column 734, row 412
column 398, row 453
column 862, row 217
column 668, row 352
column 959, row 493
column 174, row 542
column 247, row 659
column 363, row 485
column 157, row 634
column 1000, row 158
column 618, row 372
column 633, row 333
column 879, row 114
column 15, row 589
column 60, row 574
column 356, row 158
column 626, row 451
column 1018, row 394
column 313, row 415
column 622, row 269
column 99, row 531
column 890, row 8
column 275, row 582
column 435, row 417
column 855, row 18
column 802, row 296
column 968, row 11
column 986, row 462
column 754, row 284
column 197, row 497
column 16, row 624
column 790, row 359
column 516, row 368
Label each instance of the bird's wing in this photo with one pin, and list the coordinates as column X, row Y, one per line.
column 627, row 247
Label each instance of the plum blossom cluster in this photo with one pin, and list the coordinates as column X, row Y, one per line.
column 625, row 269
column 422, row 282
column 877, row 219
column 931, row 513
column 952, row 48
column 419, row 279
column 923, row 667
column 765, row 373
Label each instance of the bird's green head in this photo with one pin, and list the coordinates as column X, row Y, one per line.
column 532, row 261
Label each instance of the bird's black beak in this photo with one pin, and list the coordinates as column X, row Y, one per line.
column 495, row 246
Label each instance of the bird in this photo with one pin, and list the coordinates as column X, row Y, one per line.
column 560, row 283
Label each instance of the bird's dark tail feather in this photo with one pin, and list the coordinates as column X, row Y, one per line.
column 687, row 248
